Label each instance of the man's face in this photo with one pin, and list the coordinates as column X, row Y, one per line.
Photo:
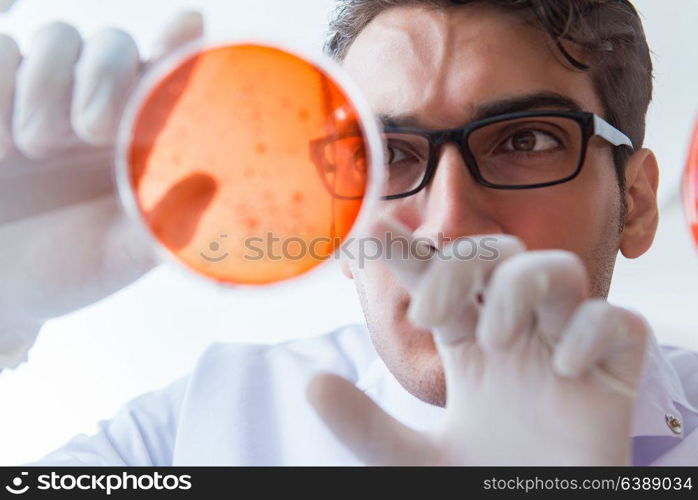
column 443, row 67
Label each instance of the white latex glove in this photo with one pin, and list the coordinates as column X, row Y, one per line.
column 64, row 240
column 547, row 379
column 6, row 4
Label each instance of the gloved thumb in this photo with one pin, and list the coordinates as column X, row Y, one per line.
column 183, row 28
column 609, row 341
column 370, row 433
column 5, row 5
column 108, row 70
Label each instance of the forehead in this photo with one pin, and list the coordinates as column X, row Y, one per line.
column 442, row 64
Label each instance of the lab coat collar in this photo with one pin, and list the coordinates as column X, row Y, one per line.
column 660, row 394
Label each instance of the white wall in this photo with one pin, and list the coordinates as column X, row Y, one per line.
column 85, row 365
column 663, row 283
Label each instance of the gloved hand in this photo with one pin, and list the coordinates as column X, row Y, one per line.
column 536, row 373
column 64, row 241
column 6, row 4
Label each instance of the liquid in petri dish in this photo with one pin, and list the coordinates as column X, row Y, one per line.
column 248, row 164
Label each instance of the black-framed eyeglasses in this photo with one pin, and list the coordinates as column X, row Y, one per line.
column 523, row 150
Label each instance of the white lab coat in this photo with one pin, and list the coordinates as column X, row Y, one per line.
column 245, row 404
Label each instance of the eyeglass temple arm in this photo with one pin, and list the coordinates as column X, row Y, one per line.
column 610, row 133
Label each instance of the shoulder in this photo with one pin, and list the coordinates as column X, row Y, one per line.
column 140, row 433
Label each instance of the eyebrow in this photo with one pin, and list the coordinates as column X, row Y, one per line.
column 528, row 102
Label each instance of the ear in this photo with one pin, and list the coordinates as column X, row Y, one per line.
column 642, row 217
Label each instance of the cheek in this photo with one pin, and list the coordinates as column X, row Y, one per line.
column 384, row 301
column 573, row 216
column 377, row 288
column 409, row 211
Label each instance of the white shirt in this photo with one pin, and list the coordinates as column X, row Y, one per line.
column 245, row 404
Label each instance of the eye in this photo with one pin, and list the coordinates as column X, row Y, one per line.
column 531, row 141
column 395, row 154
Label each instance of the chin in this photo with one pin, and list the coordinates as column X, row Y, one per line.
column 425, row 381
column 412, row 358
column 408, row 352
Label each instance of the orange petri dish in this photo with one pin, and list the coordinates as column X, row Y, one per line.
column 690, row 187
column 248, row 163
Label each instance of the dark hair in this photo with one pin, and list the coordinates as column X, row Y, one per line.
column 609, row 32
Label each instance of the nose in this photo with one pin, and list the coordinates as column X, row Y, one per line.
column 455, row 204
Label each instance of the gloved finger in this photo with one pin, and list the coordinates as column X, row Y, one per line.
column 463, row 285
column 10, row 58
column 15, row 342
column 605, row 340
column 5, row 5
column 542, row 288
column 370, row 433
column 106, row 73
column 183, row 28
column 448, row 299
column 44, row 87
column 441, row 283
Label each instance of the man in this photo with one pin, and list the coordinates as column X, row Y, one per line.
column 532, row 365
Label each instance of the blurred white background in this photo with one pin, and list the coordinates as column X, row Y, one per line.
column 85, row 365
